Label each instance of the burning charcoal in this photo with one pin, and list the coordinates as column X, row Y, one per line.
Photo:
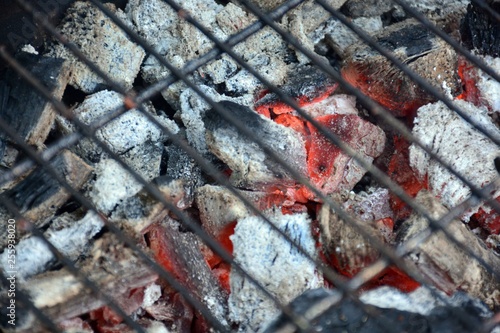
column 62, row 296
column 334, row 104
column 275, row 263
column 329, row 168
column 180, row 254
column 414, row 45
column 129, row 130
column 102, row 42
column 348, row 316
column 39, row 195
column 23, row 109
column 251, row 168
column 480, row 31
column 479, row 88
column 306, row 85
column 460, row 145
column 445, row 264
column 139, row 211
column 71, row 236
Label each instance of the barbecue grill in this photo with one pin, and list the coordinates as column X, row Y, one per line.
column 145, row 181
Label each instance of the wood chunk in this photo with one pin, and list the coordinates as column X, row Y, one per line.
column 71, row 235
column 103, row 42
column 425, row 54
column 458, row 143
column 61, row 296
column 345, row 315
column 274, row 262
column 39, row 195
column 24, row 109
column 447, row 265
column 250, row 166
column 179, row 253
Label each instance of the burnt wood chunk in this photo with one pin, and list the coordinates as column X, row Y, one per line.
column 306, row 85
column 425, row 54
column 251, row 167
column 114, row 268
column 349, row 316
column 22, row 107
column 180, row 253
column 480, row 31
column 39, row 195
column 448, row 266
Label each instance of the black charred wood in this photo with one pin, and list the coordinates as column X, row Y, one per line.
column 348, row 316
column 480, row 31
column 22, row 107
column 39, row 195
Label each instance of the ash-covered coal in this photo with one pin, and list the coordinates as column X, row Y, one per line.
column 251, row 167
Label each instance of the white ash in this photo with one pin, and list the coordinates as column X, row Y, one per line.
column 179, row 43
column 334, row 104
column 193, row 108
column 278, row 265
column 340, row 37
column 28, row 48
column 152, row 293
column 129, row 130
column 488, row 87
column 71, row 237
column 112, row 185
column 372, row 205
column 103, row 43
column 465, row 149
column 422, row 300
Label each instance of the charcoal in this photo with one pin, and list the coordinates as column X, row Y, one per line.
column 193, row 109
column 274, row 262
column 480, row 31
column 456, row 141
column 423, row 53
column 180, row 253
column 340, row 37
column 70, row 235
column 218, row 206
column 22, row 108
column 123, row 133
column 62, row 296
column 250, row 166
column 445, row 264
column 139, row 211
column 347, row 248
column 103, row 43
column 349, row 316
column 39, row 195
column 306, row 85
column 357, row 8
column 330, row 169
column 334, row 104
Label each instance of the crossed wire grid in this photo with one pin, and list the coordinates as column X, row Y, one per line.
column 389, row 256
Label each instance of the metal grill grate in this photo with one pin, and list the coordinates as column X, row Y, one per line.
column 349, row 287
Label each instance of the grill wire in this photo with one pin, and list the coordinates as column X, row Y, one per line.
column 349, row 287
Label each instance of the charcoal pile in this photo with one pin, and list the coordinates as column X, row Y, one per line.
column 251, row 166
